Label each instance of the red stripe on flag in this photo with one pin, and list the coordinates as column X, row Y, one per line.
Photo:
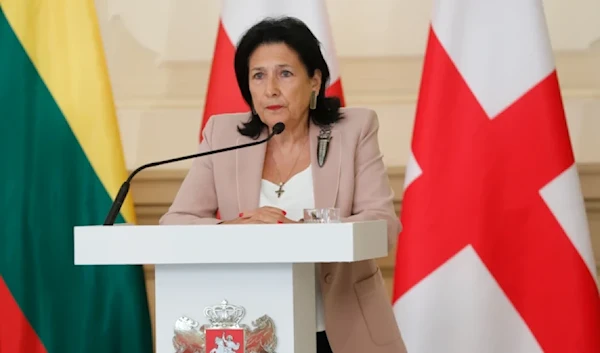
column 335, row 89
column 16, row 334
column 223, row 95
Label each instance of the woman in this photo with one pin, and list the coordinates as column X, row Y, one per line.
column 282, row 75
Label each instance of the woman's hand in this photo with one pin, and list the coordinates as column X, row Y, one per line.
column 263, row 215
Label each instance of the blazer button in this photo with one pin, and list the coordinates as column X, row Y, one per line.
column 328, row 278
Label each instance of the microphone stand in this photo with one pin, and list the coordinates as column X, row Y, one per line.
column 122, row 194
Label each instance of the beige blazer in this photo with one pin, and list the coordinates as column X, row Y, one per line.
column 358, row 311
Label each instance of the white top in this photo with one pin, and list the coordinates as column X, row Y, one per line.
column 298, row 195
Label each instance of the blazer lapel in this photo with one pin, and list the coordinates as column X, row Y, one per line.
column 249, row 168
column 326, row 179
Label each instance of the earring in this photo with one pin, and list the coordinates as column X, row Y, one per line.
column 313, row 100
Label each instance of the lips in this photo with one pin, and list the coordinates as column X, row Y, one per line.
column 274, row 107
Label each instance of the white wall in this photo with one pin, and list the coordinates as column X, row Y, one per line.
column 159, row 54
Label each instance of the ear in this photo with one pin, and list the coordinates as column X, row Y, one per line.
column 315, row 81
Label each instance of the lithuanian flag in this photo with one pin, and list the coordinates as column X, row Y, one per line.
column 61, row 165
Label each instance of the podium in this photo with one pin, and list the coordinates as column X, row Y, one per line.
column 218, row 286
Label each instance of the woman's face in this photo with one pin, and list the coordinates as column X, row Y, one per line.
column 279, row 85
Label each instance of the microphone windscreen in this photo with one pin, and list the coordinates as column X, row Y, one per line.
column 278, row 128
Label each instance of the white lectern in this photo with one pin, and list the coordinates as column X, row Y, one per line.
column 222, row 285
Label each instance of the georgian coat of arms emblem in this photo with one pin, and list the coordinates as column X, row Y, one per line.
column 224, row 333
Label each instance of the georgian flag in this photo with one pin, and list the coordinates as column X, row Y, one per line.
column 495, row 253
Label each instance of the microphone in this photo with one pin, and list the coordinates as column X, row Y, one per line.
column 118, row 202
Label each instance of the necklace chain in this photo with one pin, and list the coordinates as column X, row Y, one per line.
column 280, row 191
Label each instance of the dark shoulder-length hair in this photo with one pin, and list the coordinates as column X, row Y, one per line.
column 295, row 34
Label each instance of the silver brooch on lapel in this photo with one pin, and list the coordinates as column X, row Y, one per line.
column 323, row 144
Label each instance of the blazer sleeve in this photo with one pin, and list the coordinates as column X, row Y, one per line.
column 196, row 200
column 373, row 195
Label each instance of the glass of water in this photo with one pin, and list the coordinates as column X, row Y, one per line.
column 322, row 215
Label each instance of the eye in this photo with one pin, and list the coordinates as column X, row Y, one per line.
column 257, row 75
column 286, row 73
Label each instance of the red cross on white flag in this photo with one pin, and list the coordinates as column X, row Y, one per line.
column 237, row 16
column 495, row 252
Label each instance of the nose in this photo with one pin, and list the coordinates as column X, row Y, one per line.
column 272, row 87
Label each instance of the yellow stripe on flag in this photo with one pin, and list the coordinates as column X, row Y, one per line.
column 63, row 41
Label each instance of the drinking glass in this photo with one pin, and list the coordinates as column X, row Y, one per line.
column 322, row 215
